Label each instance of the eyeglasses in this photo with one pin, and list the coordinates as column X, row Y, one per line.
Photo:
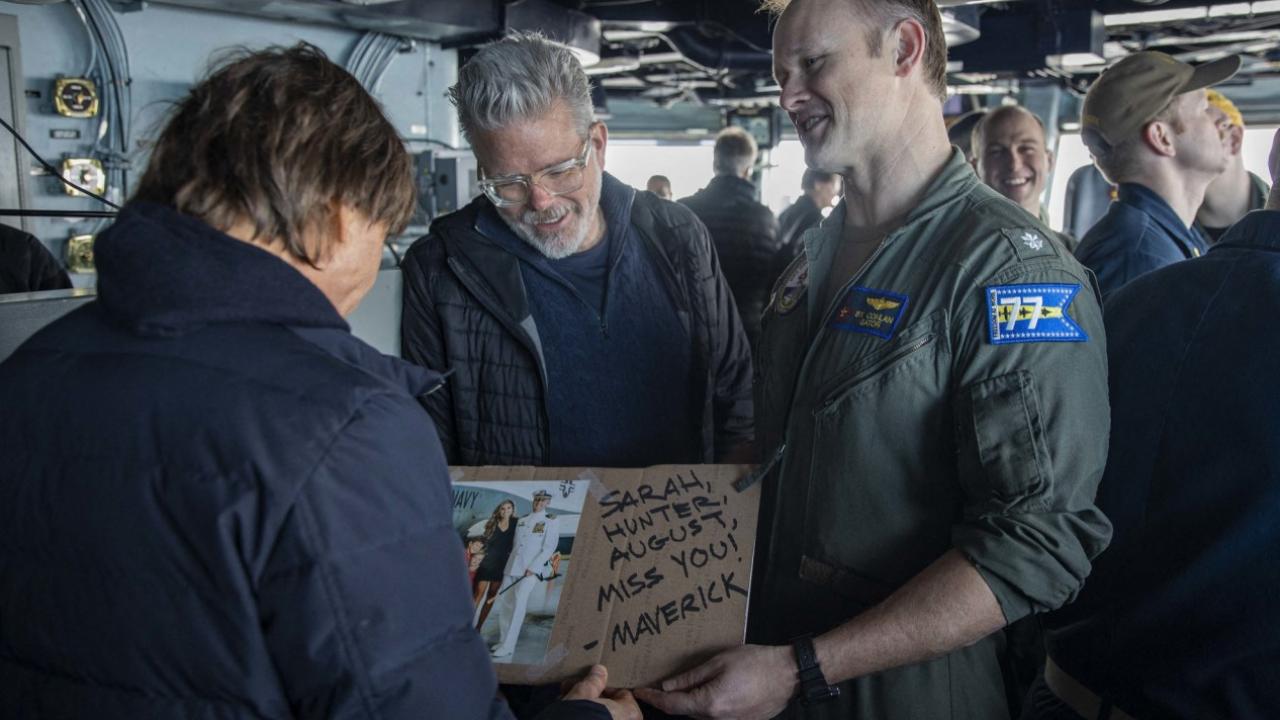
column 560, row 179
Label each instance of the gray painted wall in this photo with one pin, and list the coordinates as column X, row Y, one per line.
column 169, row 48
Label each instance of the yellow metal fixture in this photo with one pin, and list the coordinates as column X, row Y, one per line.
column 88, row 173
column 75, row 97
column 80, row 254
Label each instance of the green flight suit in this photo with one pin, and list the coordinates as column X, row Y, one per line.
column 924, row 410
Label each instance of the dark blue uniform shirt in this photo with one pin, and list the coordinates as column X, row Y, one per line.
column 1139, row 233
column 1179, row 618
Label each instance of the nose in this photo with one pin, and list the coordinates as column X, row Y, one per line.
column 539, row 199
column 794, row 96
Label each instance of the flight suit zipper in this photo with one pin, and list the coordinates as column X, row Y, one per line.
column 901, row 354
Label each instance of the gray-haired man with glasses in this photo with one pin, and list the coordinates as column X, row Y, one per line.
column 587, row 323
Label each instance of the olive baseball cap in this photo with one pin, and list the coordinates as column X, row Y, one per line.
column 1134, row 90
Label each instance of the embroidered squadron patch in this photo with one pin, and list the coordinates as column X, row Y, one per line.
column 793, row 288
column 874, row 312
column 539, row 527
column 1032, row 313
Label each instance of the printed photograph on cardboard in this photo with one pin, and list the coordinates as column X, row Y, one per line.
column 518, row 544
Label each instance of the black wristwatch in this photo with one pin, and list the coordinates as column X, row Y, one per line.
column 813, row 684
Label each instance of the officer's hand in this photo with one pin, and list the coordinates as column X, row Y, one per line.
column 620, row 703
column 750, row 682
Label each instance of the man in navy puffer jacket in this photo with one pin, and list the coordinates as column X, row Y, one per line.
column 215, row 502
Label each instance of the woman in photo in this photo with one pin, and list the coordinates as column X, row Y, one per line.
column 499, row 535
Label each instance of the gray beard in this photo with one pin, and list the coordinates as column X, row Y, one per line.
column 558, row 247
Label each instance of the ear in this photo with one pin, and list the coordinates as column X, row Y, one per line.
column 343, row 220
column 1158, row 136
column 909, row 38
column 599, row 136
column 328, row 233
column 1237, row 139
column 1049, row 158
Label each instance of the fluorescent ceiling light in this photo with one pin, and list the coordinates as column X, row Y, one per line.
column 1199, row 12
column 586, row 57
column 977, row 90
column 956, row 31
column 1075, row 60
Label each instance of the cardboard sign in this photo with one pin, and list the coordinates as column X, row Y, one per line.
column 644, row 570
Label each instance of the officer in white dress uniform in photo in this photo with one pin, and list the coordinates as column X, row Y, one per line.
column 536, row 537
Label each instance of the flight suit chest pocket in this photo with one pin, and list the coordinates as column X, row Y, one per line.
column 912, row 347
column 873, row 515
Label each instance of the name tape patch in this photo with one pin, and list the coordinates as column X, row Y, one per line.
column 1032, row 313
column 870, row 311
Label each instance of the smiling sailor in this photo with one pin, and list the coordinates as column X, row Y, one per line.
column 932, row 398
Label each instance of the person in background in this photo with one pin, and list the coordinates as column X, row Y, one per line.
column 960, row 132
column 1178, row 619
column 1011, row 154
column 659, row 185
column 819, row 191
column 1150, row 129
column 744, row 230
column 232, row 507
column 26, row 265
column 932, row 405
column 1236, row 191
column 587, row 324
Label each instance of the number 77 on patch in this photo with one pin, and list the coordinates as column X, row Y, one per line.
column 1032, row 313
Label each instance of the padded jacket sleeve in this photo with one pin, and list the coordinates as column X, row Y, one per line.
column 364, row 600
column 730, row 360
column 422, row 341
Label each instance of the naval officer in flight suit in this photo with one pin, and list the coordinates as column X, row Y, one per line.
column 536, row 537
column 931, row 400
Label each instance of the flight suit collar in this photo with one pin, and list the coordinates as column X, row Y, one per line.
column 956, row 179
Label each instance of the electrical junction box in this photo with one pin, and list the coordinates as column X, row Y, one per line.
column 447, row 180
column 75, row 97
column 80, row 254
column 88, row 173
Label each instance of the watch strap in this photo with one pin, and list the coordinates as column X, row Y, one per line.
column 813, row 684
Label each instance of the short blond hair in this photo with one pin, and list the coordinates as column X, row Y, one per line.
column 1223, row 103
column 884, row 14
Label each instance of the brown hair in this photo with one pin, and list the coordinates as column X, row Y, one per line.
column 491, row 526
column 884, row 14
column 275, row 138
column 735, row 151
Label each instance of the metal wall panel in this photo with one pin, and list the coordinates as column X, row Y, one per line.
column 13, row 167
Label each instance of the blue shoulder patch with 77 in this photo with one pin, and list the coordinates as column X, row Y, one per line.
column 1032, row 313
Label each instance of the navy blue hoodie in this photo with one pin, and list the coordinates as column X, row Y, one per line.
column 215, row 502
